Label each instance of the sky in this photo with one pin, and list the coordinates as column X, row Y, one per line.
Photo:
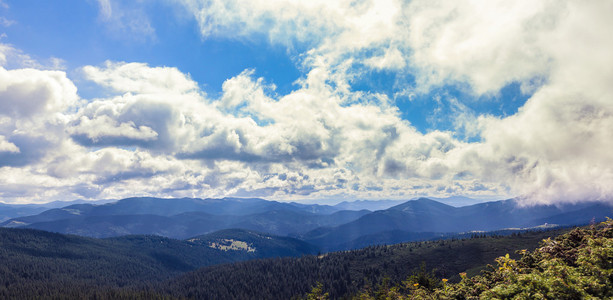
column 306, row 100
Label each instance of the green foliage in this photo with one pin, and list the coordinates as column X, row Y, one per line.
column 317, row 293
column 423, row 279
column 576, row 265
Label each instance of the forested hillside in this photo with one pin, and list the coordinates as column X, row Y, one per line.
column 42, row 264
column 38, row 264
column 346, row 273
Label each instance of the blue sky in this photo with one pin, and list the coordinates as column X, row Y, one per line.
column 75, row 32
column 305, row 101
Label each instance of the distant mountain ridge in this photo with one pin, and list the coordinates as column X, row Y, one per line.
column 371, row 205
column 328, row 227
column 432, row 218
column 184, row 217
column 9, row 211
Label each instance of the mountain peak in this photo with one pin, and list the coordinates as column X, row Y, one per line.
column 424, row 199
column 422, row 203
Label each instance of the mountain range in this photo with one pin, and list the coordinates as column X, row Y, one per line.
column 185, row 217
column 8, row 211
column 340, row 227
column 426, row 219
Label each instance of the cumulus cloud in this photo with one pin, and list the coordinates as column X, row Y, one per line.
column 6, row 146
column 33, row 113
column 249, row 140
column 485, row 43
column 153, row 131
column 549, row 47
column 139, row 78
column 392, row 59
column 29, row 92
column 556, row 146
column 553, row 148
column 104, row 130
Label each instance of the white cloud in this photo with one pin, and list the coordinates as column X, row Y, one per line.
column 29, row 92
column 33, row 112
column 139, row 78
column 9, row 54
column 392, row 59
column 285, row 22
column 554, row 148
column 105, row 127
column 241, row 90
column 6, row 146
column 12, row 58
column 486, row 43
column 326, row 30
column 159, row 134
column 106, row 10
column 247, row 138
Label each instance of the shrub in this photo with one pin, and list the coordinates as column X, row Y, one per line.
column 575, row 265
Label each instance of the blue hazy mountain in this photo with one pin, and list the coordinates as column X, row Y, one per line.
column 190, row 223
column 170, row 207
column 457, row 201
column 9, row 211
column 371, row 205
column 325, row 226
column 185, row 217
column 424, row 218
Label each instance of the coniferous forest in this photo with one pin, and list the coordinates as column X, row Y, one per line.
column 38, row 264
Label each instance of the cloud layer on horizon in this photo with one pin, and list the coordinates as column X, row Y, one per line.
column 153, row 131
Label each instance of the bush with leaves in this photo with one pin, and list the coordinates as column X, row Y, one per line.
column 576, row 265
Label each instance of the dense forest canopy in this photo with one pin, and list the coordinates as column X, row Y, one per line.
column 48, row 265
